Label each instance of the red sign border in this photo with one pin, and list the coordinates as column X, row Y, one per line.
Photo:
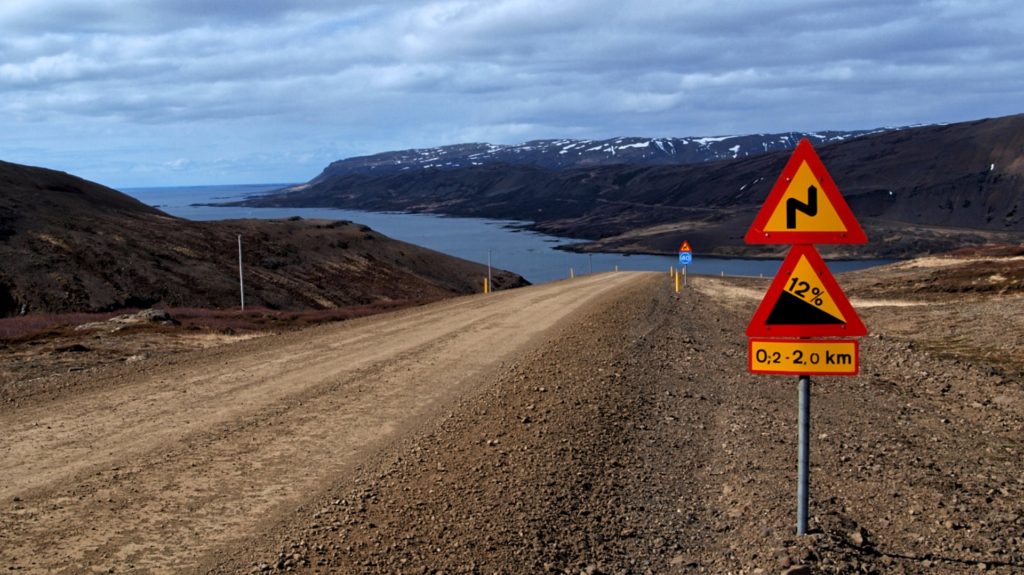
column 758, row 328
column 804, row 152
column 750, row 356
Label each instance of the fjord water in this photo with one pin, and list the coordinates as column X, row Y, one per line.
column 529, row 254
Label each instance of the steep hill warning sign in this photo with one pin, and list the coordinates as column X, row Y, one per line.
column 804, row 300
column 805, row 206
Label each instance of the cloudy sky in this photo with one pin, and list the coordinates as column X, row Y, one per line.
column 190, row 92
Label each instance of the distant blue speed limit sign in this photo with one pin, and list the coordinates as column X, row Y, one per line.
column 685, row 258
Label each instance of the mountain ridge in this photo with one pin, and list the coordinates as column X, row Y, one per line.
column 568, row 153
column 916, row 191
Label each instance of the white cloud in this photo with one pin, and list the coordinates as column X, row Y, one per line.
column 277, row 81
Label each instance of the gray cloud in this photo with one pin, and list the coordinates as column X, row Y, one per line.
column 187, row 91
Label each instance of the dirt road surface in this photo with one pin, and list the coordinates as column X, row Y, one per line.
column 153, row 471
column 602, row 425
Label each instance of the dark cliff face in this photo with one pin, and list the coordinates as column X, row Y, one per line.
column 968, row 176
column 72, row 245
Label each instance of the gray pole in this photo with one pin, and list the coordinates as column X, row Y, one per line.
column 590, row 260
column 803, row 455
column 241, row 282
column 684, row 276
column 490, row 284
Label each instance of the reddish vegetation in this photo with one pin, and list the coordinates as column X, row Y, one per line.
column 29, row 327
column 36, row 325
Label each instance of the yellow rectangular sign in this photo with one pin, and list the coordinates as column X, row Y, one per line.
column 804, row 356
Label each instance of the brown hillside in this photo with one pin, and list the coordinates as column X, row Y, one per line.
column 72, row 245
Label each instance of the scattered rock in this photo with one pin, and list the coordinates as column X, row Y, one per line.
column 859, row 538
column 73, row 348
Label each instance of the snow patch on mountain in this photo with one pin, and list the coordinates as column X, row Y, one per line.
column 564, row 153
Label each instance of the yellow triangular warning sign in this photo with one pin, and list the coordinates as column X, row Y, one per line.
column 804, row 300
column 805, row 206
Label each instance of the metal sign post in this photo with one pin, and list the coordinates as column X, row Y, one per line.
column 803, row 455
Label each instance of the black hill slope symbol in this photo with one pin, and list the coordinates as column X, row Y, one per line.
column 791, row 310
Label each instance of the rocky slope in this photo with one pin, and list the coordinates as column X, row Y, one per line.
column 73, row 245
column 915, row 190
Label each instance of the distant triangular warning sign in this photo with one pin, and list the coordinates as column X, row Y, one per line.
column 804, row 300
column 685, row 247
column 805, row 206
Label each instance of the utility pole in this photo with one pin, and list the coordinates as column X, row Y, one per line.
column 490, row 282
column 241, row 281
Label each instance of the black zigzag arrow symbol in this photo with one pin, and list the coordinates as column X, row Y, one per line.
column 794, row 205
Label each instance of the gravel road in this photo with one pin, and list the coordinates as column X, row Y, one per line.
column 600, row 425
column 153, row 470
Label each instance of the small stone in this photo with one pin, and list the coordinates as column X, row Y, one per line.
column 798, row 570
column 677, row 560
